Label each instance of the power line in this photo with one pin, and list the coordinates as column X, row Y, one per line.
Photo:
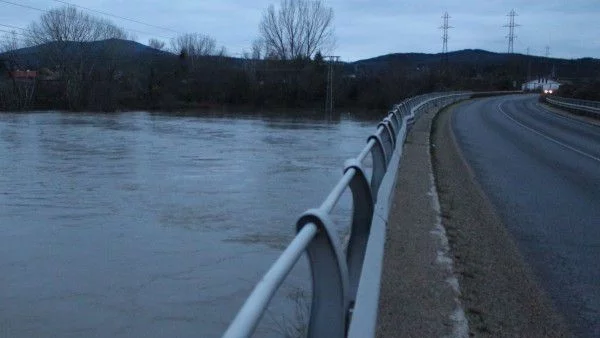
column 15, row 27
column 117, row 16
column 17, row 37
column 14, row 32
column 47, row 11
column 10, row 32
column 24, row 6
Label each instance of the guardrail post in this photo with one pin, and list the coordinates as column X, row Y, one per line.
column 392, row 129
column 394, row 124
column 380, row 162
column 407, row 110
column 330, row 303
column 411, row 119
column 398, row 116
column 362, row 214
column 386, row 137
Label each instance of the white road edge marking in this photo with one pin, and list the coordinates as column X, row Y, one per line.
column 549, row 138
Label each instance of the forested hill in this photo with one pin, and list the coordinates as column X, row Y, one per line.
column 38, row 56
column 477, row 60
column 482, row 62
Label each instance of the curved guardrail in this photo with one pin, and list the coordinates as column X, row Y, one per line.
column 345, row 285
column 591, row 108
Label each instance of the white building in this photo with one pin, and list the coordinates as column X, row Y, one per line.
column 541, row 84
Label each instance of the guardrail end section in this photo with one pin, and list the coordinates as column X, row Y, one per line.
column 330, row 302
column 362, row 215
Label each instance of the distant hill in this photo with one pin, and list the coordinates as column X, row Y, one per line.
column 482, row 62
column 462, row 56
column 124, row 50
column 468, row 62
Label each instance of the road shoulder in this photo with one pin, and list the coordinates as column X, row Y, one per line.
column 419, row 291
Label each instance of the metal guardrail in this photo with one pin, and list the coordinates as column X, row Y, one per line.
column 345, row 285
column 589, row 107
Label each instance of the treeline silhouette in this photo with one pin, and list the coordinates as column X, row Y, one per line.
column 127, row 75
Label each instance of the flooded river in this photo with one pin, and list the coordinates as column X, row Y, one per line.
column 144, row 225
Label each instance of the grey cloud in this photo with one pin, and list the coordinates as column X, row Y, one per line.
column 368, row 28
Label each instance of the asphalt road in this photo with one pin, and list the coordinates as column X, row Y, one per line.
column 541, row 172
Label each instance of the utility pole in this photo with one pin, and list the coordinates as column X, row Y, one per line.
column 444, row 27
column 528, row 66
column 551, row 69
column 331, row 61
column 511, row 30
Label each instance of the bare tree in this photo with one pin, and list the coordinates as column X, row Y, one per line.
column 222, row 51
column 258, row 47
column 297, row 29
column 194, row 45
column 18, row 92
column 131, row 37
column 156, row 44
column 10, row 42
column 57, row 30
column 70, row 24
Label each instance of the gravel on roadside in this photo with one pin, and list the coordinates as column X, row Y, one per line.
column 419, row 292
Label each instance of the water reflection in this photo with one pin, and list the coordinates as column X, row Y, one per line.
column 139, row 224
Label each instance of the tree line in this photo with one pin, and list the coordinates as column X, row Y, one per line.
column 86, row 63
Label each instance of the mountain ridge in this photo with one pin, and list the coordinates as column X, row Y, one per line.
column 128, row 48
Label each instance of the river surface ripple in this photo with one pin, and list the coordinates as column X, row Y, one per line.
column 146, row 225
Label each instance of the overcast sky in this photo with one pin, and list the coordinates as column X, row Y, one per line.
column 364, row 28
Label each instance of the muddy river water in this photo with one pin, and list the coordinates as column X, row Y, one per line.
column 149, row 225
